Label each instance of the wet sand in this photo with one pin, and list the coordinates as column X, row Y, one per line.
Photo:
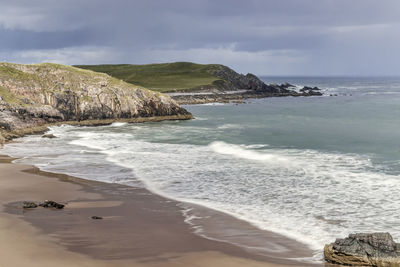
column 138, row 228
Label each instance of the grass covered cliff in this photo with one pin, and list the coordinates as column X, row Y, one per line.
column 35, row 95
column 181, row 76
column 163, row 77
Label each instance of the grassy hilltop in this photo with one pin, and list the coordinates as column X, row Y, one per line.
column 165, row 77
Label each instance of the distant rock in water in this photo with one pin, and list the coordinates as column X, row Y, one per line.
column 33, row 95
column 310, row 90
column 50, row 136
column 376, row 249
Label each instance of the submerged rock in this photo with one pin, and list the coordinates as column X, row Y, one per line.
column 29, row 205
column 376, row 249
column 51, row 136
column 97, row 217
column 51, row 204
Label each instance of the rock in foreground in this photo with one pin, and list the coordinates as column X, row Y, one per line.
column 51, row 204
column 376, row 249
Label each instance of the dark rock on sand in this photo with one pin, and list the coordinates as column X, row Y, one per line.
column 97, row 217
column 51, row 204
column 376, row 249
column 29, row 205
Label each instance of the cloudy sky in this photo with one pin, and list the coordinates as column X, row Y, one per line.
column 266, row 37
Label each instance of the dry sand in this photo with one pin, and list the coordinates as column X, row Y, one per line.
column 138, row 228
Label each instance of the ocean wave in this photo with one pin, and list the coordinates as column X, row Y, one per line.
column 241, row 152
column 286, row 191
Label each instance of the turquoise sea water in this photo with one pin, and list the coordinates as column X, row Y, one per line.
column 310, row 168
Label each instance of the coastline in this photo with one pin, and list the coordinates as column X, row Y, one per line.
column 138, row 229
column 197, row 98
column 11, row 134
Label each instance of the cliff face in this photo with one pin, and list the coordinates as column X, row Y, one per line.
column 231, row 80
column 32, row 95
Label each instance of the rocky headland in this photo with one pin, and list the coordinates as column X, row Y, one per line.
column 233, row 86
column 191, row 83
column 33, row 97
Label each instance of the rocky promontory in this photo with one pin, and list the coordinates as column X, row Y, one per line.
column 33, row 96
column 376, row 249
column 191, row 83
column 233, row 86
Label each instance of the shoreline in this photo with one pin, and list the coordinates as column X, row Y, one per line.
column 234, row 97
column 8, row 135
column 130, row 215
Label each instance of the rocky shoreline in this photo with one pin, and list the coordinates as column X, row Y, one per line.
column 236, row 87
column 6, row 136
column 239, row 96
column 33, row 97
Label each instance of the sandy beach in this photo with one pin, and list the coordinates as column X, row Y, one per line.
column 138, row 228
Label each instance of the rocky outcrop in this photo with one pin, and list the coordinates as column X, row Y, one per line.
column 231, row 80
column 34, row 95
column 45, row 204
column 377, row 249
column 233, row 86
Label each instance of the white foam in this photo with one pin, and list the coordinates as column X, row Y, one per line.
column 118, row 124
column 309, row 195
column 240, row 152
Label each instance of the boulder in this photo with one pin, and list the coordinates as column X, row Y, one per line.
column 51, row 204
column 375, row 249
column 29, row 205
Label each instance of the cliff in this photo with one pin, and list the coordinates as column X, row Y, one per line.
column 183, row 77
column 35, row 95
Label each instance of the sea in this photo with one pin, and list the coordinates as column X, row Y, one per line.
column 310, row 168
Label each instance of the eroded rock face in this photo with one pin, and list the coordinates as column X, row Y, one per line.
column 32, row 95
column 236, row 81
column 376, row 249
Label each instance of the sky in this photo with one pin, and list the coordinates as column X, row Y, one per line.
column 265, row 37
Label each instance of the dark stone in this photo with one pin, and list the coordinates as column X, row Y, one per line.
column 376, row 249
column 51, row 204
column 29, row 205
column 97, row 217
column 286, row 85
column 51, row 136
column 308, row 88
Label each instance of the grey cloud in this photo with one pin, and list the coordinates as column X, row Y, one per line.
column 316, row 30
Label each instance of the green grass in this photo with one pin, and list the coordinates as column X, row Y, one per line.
column 10, row 98
column 161, row 77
